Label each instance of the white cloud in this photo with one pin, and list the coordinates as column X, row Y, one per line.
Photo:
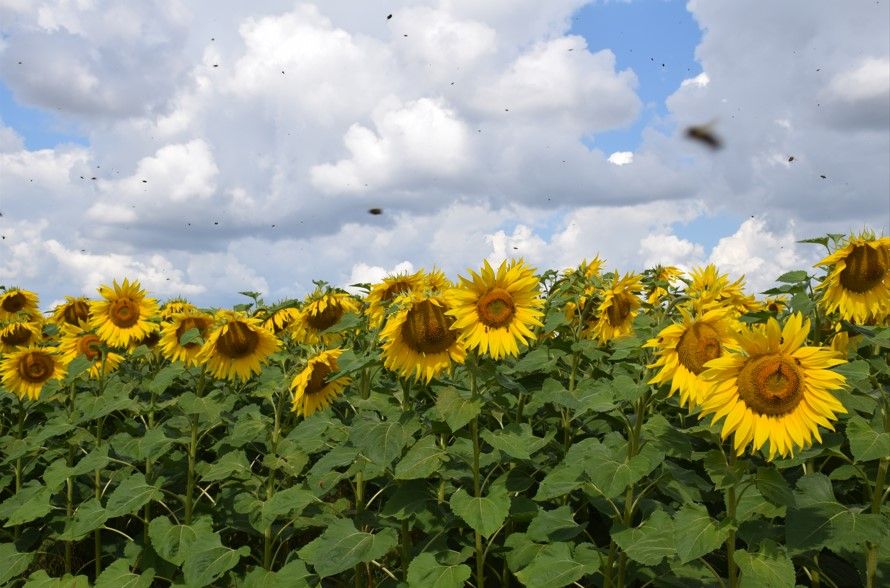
column 621, row 157
column 667, row 249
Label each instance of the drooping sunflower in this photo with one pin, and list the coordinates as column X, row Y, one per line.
column 311, row 388
column 710, row 286
column 773, row 389
column 72, row 312
column 322, row 310
column 22, row 331
column 173, row 330
column 280, row 319
column 16, row 300
column 436, row 282
column 684, row 349
column 25, row 371
column 238, row 346
column 495, row 311
column 661, row 277
column 417, row 339
column 858, row 280
column 80, row 340
column 383, row 294
column 175, row 306
column 124, row 315
column 618, row 309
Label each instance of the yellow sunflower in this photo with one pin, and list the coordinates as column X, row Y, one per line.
column 173, row 330
column 124, row 315
column 22, row 331
column 771, row 388
column 858, row 280
column 80, row 340
column 311, row 388
column 175, row 306
column 238, row 346
column 72, row 312
column 25, row 371
column 322, row 310
column 436, row 282
column 587, row 268
column 709, row 286
column 661, row 275
column 382, row 294
column 684, row 349
column 584, row 310
column 616, row 313
column 418, row 340
column 495, row 312
column 279, row 320
column 16, row 300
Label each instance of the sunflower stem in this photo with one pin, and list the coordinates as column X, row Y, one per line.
column 871, row 554
column 268, row 558
column 18, row 461
column 732, row 571
column 633, row 447
column 97, row 474
column 192, row 456
column 69, row 484
column 477, row 485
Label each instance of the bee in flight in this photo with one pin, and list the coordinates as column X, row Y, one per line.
column 705, row 134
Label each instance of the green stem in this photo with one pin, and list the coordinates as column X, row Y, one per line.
column 97, row 487
column 192, row 457
column 69, row 484
column 610, row 563
column 877, row 498
column 406, row 548
column 731, row 568
column 477, row 485
column 359, row 509
column 270, row 487
column 633, row 447
column 18, row 461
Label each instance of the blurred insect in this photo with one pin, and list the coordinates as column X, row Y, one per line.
column 790, row 158
column 375, row 211
column 388, row 16
column 704, row 134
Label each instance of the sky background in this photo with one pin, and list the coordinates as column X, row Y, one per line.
column 205, row 147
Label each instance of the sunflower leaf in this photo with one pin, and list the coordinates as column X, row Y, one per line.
column 425, row 572
column 131, row 495
column 866, row 443
column 652, row 541
column 118, row 575
column 792, row 277
column 557, row 564
column 770, row 566
column 341, row 546
column 89, row 516
column 484, row 514
column 207, row 559
column 696, row 533
column 293, row 575
column 421, row 460
column 455, row 408
column 14, row 562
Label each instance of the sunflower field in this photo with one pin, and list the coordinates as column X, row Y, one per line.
column 511, row 428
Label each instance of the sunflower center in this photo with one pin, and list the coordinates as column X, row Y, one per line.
column 325, row 319
column 17, row 335
column 124, row 313
column 320, row 371
column 698, row 345
column 618, row 312
column 75, row 312
column 770, row 384
column 427, row 330
column 14, row 303
column 190, row 323
column 238, row 341
column 394, row 290
column 89, row 345
column 496, row 308
column 865, row 269
column 36, row 367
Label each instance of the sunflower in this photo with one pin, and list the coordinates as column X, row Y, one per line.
column 124, row 316
column 26, row 370
column 709, row 286
column 382, row 294
column 616, row 313
column 72, row 312
column 22, row 331
column 436, row 282
column 311, row 388
column 322, row 310
column 237, row 347
column 588, row 269
column 279, row 320
column 495, row 312
column 80, row 340
column 684, row 349
column 858, row 280
column 175, row 306
column 173, row 330
column 418, row 340
column 771, row 388
column 582, row 311
column 775, row 304
column 662, row 276
column 16, row 300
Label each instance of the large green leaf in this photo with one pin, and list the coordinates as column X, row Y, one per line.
column 89, row 516
column 516, row 440
column 40, row 579
column 773, row 486
column 118, row 575
column 342, row 546
column 425, row 572
column 380, row 441
column 14, row 562
column 553, row 525
column 207, row 559
column 651, row 542
column 558, row 564
column 456, row 408
column 171, row 541
column 424, row 458
column 293, row 575
column 696, row 533
column 26, row 505
column 485, row 514
column 821, row 521
column 770, row 566
column 867, row 443
column 131, row 495
column 231, row 465
column 610, row 472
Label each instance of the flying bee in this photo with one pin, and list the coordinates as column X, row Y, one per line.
column 705, row 134
column 375, row 211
